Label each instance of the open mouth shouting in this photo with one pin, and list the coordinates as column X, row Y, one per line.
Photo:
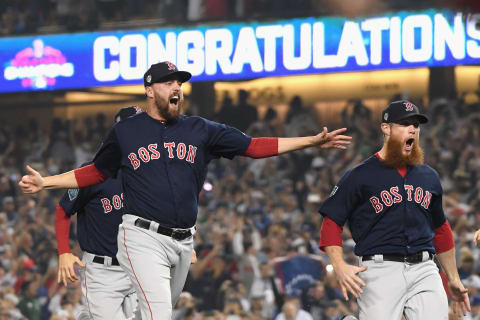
column 409, row 144
column 175, row 100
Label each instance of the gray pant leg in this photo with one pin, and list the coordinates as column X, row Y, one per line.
column 178, row 274
column 426, row 298
column 383, row 296
column 147, row 257
column 104, row 289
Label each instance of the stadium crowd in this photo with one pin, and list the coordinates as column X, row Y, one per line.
column 27, row 17
column 253, row 214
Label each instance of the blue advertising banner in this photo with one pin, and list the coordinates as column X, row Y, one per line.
column 298, row 272
column 242, row 51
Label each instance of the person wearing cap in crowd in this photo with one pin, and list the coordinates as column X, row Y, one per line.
column 393, row 204
column 28, row 270
column 29, row 305
column 163, row 157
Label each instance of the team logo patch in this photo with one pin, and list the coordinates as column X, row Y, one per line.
column 408, row 106
column 334, row 191
column 171, row 66
column 149, row 78
column 385, row 116
column 72, row 194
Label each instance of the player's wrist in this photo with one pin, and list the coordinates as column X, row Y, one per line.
column 339, row 265
column 46, row 182
column 452, row 277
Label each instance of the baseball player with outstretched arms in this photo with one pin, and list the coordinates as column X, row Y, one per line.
column 393, row 205
column 163, row 158
column 107, row 289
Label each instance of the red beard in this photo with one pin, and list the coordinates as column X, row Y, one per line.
column 396, row 159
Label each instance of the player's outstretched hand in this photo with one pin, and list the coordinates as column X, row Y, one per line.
column 348, row 279
column 460, row 303
column 66, row 271
column 333, row 139
column 32, row 182
column 476, row 237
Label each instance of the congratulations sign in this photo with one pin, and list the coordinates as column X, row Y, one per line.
column 242, row 51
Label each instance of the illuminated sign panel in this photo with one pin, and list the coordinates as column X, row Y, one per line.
column 242, row 51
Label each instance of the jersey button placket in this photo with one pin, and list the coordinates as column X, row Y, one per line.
column 167, row 169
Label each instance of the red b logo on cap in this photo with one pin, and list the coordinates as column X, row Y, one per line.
column 408, row 106
column 170, row 65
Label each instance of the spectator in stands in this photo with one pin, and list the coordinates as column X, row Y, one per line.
column 292, row 311
column 300, row 119
column 244, row 114
column 29, row 305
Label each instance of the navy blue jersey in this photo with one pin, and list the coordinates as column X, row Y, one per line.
column 387, row 213
column 164, row 165
column 99, row 211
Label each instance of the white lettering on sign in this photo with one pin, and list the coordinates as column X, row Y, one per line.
column 304, row 60
column 52, row 70
column 375, row 27
column 445, row 36
column 411, row 51
column 219, row 45
column 308, row 44
column 473, row 46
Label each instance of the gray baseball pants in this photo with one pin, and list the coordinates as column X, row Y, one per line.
column 107, row 289
column 157, row 265
column 396, row 288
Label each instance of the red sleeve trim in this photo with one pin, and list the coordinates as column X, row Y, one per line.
column 262, row 148
column 62, row 230
column 89, row 175
column 330, row 234
column 443, row 239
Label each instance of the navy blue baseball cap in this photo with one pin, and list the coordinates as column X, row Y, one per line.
column 159, row 72
column 401, row 110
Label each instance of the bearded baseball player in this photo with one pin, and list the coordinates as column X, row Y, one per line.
column 163, row 158
column 393, row 205
column 108, row 291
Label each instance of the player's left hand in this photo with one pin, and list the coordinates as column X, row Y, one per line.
column 32, row 182
column 194, row 256
column 460, row 303
column 332, row 139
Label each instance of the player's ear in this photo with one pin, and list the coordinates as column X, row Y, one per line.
column 149, row 91
column 385, row 128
